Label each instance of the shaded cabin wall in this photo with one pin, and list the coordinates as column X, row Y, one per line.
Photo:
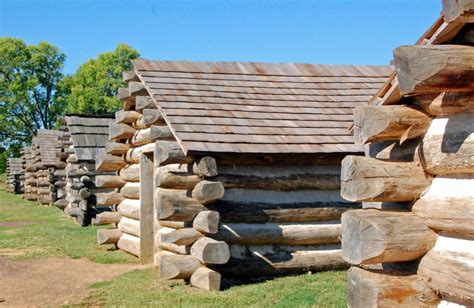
column 132, row 139
column 239, row 216
column 413, row 244
column 30, row 175
column 14, row 176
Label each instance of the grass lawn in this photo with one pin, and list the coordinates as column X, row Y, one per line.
column 46, row 232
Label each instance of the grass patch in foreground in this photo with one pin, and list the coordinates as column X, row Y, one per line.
column 142, row 287
column 47, row 232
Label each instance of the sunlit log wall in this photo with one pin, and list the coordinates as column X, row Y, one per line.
column 413, row 243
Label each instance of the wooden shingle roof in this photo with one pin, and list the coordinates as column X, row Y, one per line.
column 88, row 135
column 47, row 140
column 260, row 107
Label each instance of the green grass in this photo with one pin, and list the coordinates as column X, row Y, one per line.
column 142, row 287
column 47, row 232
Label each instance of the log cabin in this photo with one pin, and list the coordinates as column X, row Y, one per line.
column 41, row 163
column 15, row 176
column 86, row 138
column 232, row 169
column 412, row 244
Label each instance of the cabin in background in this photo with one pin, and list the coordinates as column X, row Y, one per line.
column 15, row 176
column 235, row 167
column 413, row 243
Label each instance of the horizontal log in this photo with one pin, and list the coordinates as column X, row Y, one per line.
column 178, row 266
column 120, row 131
column 129, row 226
column 448, row 206
column 274, row 260
column 176, row 176
column 206, row 279
column 136, row 88
column 131, row 190
column 207, row 192
column 151, row 134
column 61, row 203
column 130, row 244
column 279, row 177
column 170, row 152
column 129, row 76
column 271, row 233
column 205, row 167
column 144, row 103
column 210, row 251
column 133, row 155
column 176, row 205
column 207, row 222
column 106, row 218
column 109, row 181
column 184, row 236
column 108, row 198
column 376, row 288
column 126, row 117
column 130, row 173
column 108, row 236
column 130, row 208
column 109, row 163
column 446, row 103
column 448, row 145
column 177, row 249
column 369, row 179
column 450, row 274
column 372, row 236
column 174, row 224
column 148, row 118
column 128, row 100
column 116, row 148
column 392, row 122
column 458, row 11
column 430, row 69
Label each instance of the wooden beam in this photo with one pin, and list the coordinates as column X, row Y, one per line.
column 129, row 208
column 271, row 233
column 448, row 146
column 369, row 179
column 137, row 88
column 133, row 155
column 458, row 11
column 446, row 103
column 393, row 122
column 170, row 152
column 130, row 173
column 108, row 236
column 376, row 288
column 148, row 118
column 151, row 134
column 126, row 117
column 109, row 163
column 178, row 266
column 144, row 103
column 147, row 217
column 129, row 76
column 434, row 69
column 373, row 236
column 131, row 190
column 109, row 198
column 106, row 218
column 130, row 244
column 207, row 222
column 176, row 176
column 109, row 181
column 210, row 251
column 207, row 279
column 121, row 131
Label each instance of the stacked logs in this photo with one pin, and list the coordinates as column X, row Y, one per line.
column 14, row 174
column 82, row 181
column 132, row 136
column 240, row 218
column 58, row 176
column 30, row 175
column 413, row 244
column 45, row 146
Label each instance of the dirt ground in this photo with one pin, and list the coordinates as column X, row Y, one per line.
column 51, row 281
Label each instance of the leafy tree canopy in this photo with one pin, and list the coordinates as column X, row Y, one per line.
column 93, row 88
column 29, row 77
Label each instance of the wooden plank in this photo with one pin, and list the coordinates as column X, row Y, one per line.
column 147, row 234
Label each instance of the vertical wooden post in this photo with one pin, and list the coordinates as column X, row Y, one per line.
column 147, row 234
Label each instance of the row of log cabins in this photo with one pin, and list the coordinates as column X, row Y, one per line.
column 232, row 169
column 15, row 176
column 413, row 243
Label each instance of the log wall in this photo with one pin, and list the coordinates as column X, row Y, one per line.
column 15, row 176
column 413, row 243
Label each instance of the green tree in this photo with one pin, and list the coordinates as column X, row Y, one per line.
column 94, row 86
column 29, row 77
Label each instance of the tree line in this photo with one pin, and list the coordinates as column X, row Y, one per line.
column 34, row 92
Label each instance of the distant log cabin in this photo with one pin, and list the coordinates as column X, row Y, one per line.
column 232, row 169
column 413, row 243
column 15, row 176
column 86, row 140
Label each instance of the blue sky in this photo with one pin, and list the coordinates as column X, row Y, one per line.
column 317, row 31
